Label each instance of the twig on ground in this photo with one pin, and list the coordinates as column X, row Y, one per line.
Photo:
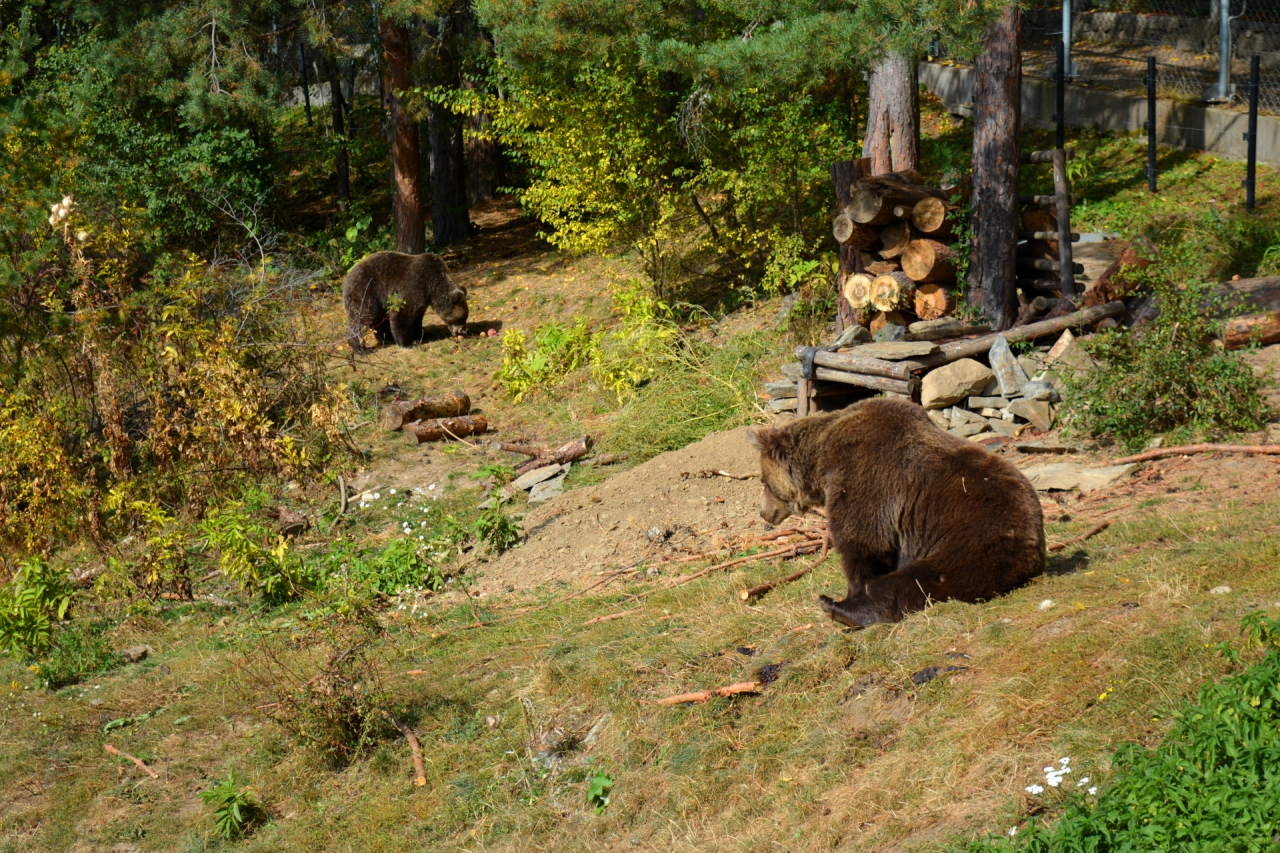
column 757, row 591
column 611, row 616
column 1261, row 449
column 342, row 496
column 733, row 476
column 1089, row 534
column 138, row 761
column 421, row 779
column 794, row 550
column 705, row 695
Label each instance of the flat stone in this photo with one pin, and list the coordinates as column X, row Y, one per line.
column 1036, row 411
column 1273, row 433
column 1006, row 368
column 1005, row 428
column 966, row 430
column 780, row 388
column 895, row 350
column 783, row 404
column 940, row 419
column 854, row 334
column 962, row 416
column 529, row 479
column 1064, row 476
column 791, row 370
column 1068, row 355
column 134, row 654
column 1031, row 364
column 547, row 489
column 1040, row 389
column 1220, row 590
column 952, row 382
column 980, row 403
column 989, row 412
column 891, row 332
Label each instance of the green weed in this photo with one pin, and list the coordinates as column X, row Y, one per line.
column 234, row 810
column 78, row 651
column 30, row 603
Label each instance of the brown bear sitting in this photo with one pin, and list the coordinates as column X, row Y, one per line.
column 917, row 515
column 389, row 292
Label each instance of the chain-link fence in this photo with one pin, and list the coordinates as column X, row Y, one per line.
column 1112, row 40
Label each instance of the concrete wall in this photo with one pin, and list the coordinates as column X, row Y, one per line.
column 1191, row 127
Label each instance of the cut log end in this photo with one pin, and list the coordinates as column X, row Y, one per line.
column 928, row 260
column 930, row 216
column 857, row 290
column 933, row 302
column 892, row 291
column 886, row 318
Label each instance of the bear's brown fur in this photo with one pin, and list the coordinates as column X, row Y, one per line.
column 383, row 279
column 917, row 515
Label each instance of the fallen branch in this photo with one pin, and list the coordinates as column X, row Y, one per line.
column 342, row 496
column 138, row 761
column 1092, row 532
column 757, row 591
column 1186, row 450
column 567, row 452
column 611, row 616
column 439, row 430
column 792, row 550
column 705, row 695
column 734, row 476
column 421, row 779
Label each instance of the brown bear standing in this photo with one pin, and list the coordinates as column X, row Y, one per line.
column 917, row 515
column 389, row 292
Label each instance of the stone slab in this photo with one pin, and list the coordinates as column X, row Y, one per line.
column 1064, row 476
column 895, row 350
column 529, row 479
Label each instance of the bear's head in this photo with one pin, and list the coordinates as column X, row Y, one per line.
column 784, row 495
column 455, row 315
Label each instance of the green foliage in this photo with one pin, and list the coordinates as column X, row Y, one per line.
column 401, row 565
column 621, row 358
column 498, row 531
column 235, row 812
column 789, row 265
column 1210, row 786
column 1166, row 376
column 36, row 597
column 598, row 791
column 261, row 560
column 78, row 651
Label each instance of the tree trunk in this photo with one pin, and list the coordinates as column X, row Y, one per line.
column 483, row 163
column 1262, row 329
column 997, row 108
column 337, row 106
column 406, row 156
column 450, row 222
column 893, row 115
column 844, row 173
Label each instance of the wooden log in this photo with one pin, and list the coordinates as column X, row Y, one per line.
column 1262, row 329
column 1067, row 270
column 567, row 452
column 857, row 290
column 419, row 773
column 850, row 233
column 929, row 261
column 1045, row 200
column 903, row 211
column 445, row 428
column 977, row 346
column 1188, row 449
column 850, row 363
column 932, row 216
column 932, row 302
column 892, row 291
column 885, row 318
column 894, row 240
column 1047, row 286
column 944, row 328
column 803, row 390
column 906, row 387
column 1035, row 309
column 881, row 267
column 872, row 201
column 1039, row 221
column 401, row 412
column 1116, row 282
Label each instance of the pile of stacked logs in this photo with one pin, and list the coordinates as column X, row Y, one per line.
column 434, row 418
column 902, row 232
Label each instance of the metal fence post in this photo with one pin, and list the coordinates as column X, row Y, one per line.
column 1151, row 123
column 306, row 87
column 1251, row 168
column 1066, row 41
column 1223, row 90
column 1061, row 79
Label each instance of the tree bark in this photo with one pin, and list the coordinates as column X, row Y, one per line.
column 483, row 161
column 997, row 112
column 1262, row 329
column 450, row 222
column 446, row 428
column 337, row 108
column 406, row 155
column 893, row 115
column 845, row 173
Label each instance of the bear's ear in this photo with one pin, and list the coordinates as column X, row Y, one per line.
column 769, row 441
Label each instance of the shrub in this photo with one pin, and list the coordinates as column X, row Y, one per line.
column 234, row 811
column 1166, row 376
column 258, row 558
column 401, row 565
column 30, row 603
column 78, row 651
column 1211, row 785
column 496, row 529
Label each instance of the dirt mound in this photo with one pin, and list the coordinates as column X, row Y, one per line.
column 674, row 503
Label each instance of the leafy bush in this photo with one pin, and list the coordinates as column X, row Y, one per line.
column 556, row 352
column 1211, row 785
column 78, row 651
column 399, row 566
column 1166, row 376
column 234, row 810
column 496, row 529
column 36, row 597
column 258, row 558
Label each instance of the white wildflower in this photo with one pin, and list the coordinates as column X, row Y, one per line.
column 1034, row 789
column 431, row 488
column 1093, row 791
column 1064, row 761
column 1084, row 780
column 393, row 491
column 1046, row 604
column 377, row 496
column 1013, row 830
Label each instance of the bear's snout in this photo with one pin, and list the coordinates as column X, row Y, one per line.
column 773, row 510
